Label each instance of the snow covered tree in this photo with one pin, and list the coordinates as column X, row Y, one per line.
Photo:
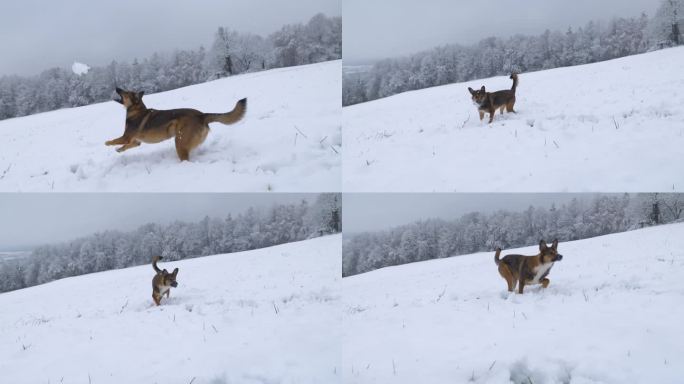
column 667, row 24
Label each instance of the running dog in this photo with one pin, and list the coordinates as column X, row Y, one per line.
column 189, row 126
column 489, row 102
column 162, row 281
column 526, row 270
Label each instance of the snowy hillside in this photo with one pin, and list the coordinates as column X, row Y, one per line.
column 264, row 316
column 288, row 141
column 611, row 126
column 612, row 314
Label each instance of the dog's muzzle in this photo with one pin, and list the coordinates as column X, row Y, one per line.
column 174, row 284
column 559, row 257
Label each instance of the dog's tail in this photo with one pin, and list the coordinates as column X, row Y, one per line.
column 154, row 263
column 514, row 77
column 230, row 117
column 496, row 256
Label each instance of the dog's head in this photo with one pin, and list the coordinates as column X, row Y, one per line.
column 170, row 278
column 129, row 99
column 549, row 254
column 479, row 95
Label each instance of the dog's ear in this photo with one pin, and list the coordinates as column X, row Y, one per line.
column 471, row 90
column 141, row 94
column 482, row 89
column 175, row 272
column 555, row 244
column 119, row 90
column 542, row 245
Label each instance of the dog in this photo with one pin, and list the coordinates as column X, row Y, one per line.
column 489, row 102
column 527, row 270
column 189, row 126
column 162, row 281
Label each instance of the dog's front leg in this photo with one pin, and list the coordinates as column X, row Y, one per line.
column 118, row 141
column 130, row 145
column 545, row 282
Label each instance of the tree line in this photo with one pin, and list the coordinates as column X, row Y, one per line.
column 231, row 53
column 255, row 228
column 479, row 232
column 494, row 56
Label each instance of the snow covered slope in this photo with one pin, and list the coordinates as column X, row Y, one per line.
column 264, row 316
column 611, row 126
column 612, row 314
column 64, row 150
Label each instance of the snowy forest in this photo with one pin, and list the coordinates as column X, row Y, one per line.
column 495, row 56
column 231, row 53
column 255, row 228
column 479, row 232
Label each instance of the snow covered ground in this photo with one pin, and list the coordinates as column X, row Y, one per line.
column 266, row 316
column 614, row 126
column 288, row 141
column 612, row 314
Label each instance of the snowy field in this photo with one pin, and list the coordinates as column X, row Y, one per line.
column 265, row 316
column 614, row 126
column 612, row 314
column 288, row 141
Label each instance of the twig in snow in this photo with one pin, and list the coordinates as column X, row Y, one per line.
column 148, row 170
column 523, row 313
column 215, row 330
column 530, row 380
column 586, row 298
column 464, row 122
column 5, row 171
column 295, row 142
column 439, row 297
column 275, row 308
column 192, row 381
column 300, row 132
column 89, row 381
column 123, row 307
column 617, row 126
column 322, row 140
column 492, row 366
column 333, row 148
column 394, row 368
column 556, row 144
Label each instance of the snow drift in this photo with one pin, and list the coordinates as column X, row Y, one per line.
column 614, row 126
column 288, row 141
column 612, row 314
column 265, row 316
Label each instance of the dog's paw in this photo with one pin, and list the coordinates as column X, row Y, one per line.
column 505, row 295
column 120, row 149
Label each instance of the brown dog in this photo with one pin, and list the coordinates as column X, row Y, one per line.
column 189, row 126
column 489, row 102
column 528, row 269
column 162, row 281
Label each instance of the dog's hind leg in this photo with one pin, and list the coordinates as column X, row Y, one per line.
column 521, row 285
column 545, row 282
column 128, row 146
column 189, row 139
column 509, row 106
column 501, row 109
column 508, row 276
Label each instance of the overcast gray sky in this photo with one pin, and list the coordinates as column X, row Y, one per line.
column 379, row 211
column 39, row 34
column 388, row 28
column 30, row 219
